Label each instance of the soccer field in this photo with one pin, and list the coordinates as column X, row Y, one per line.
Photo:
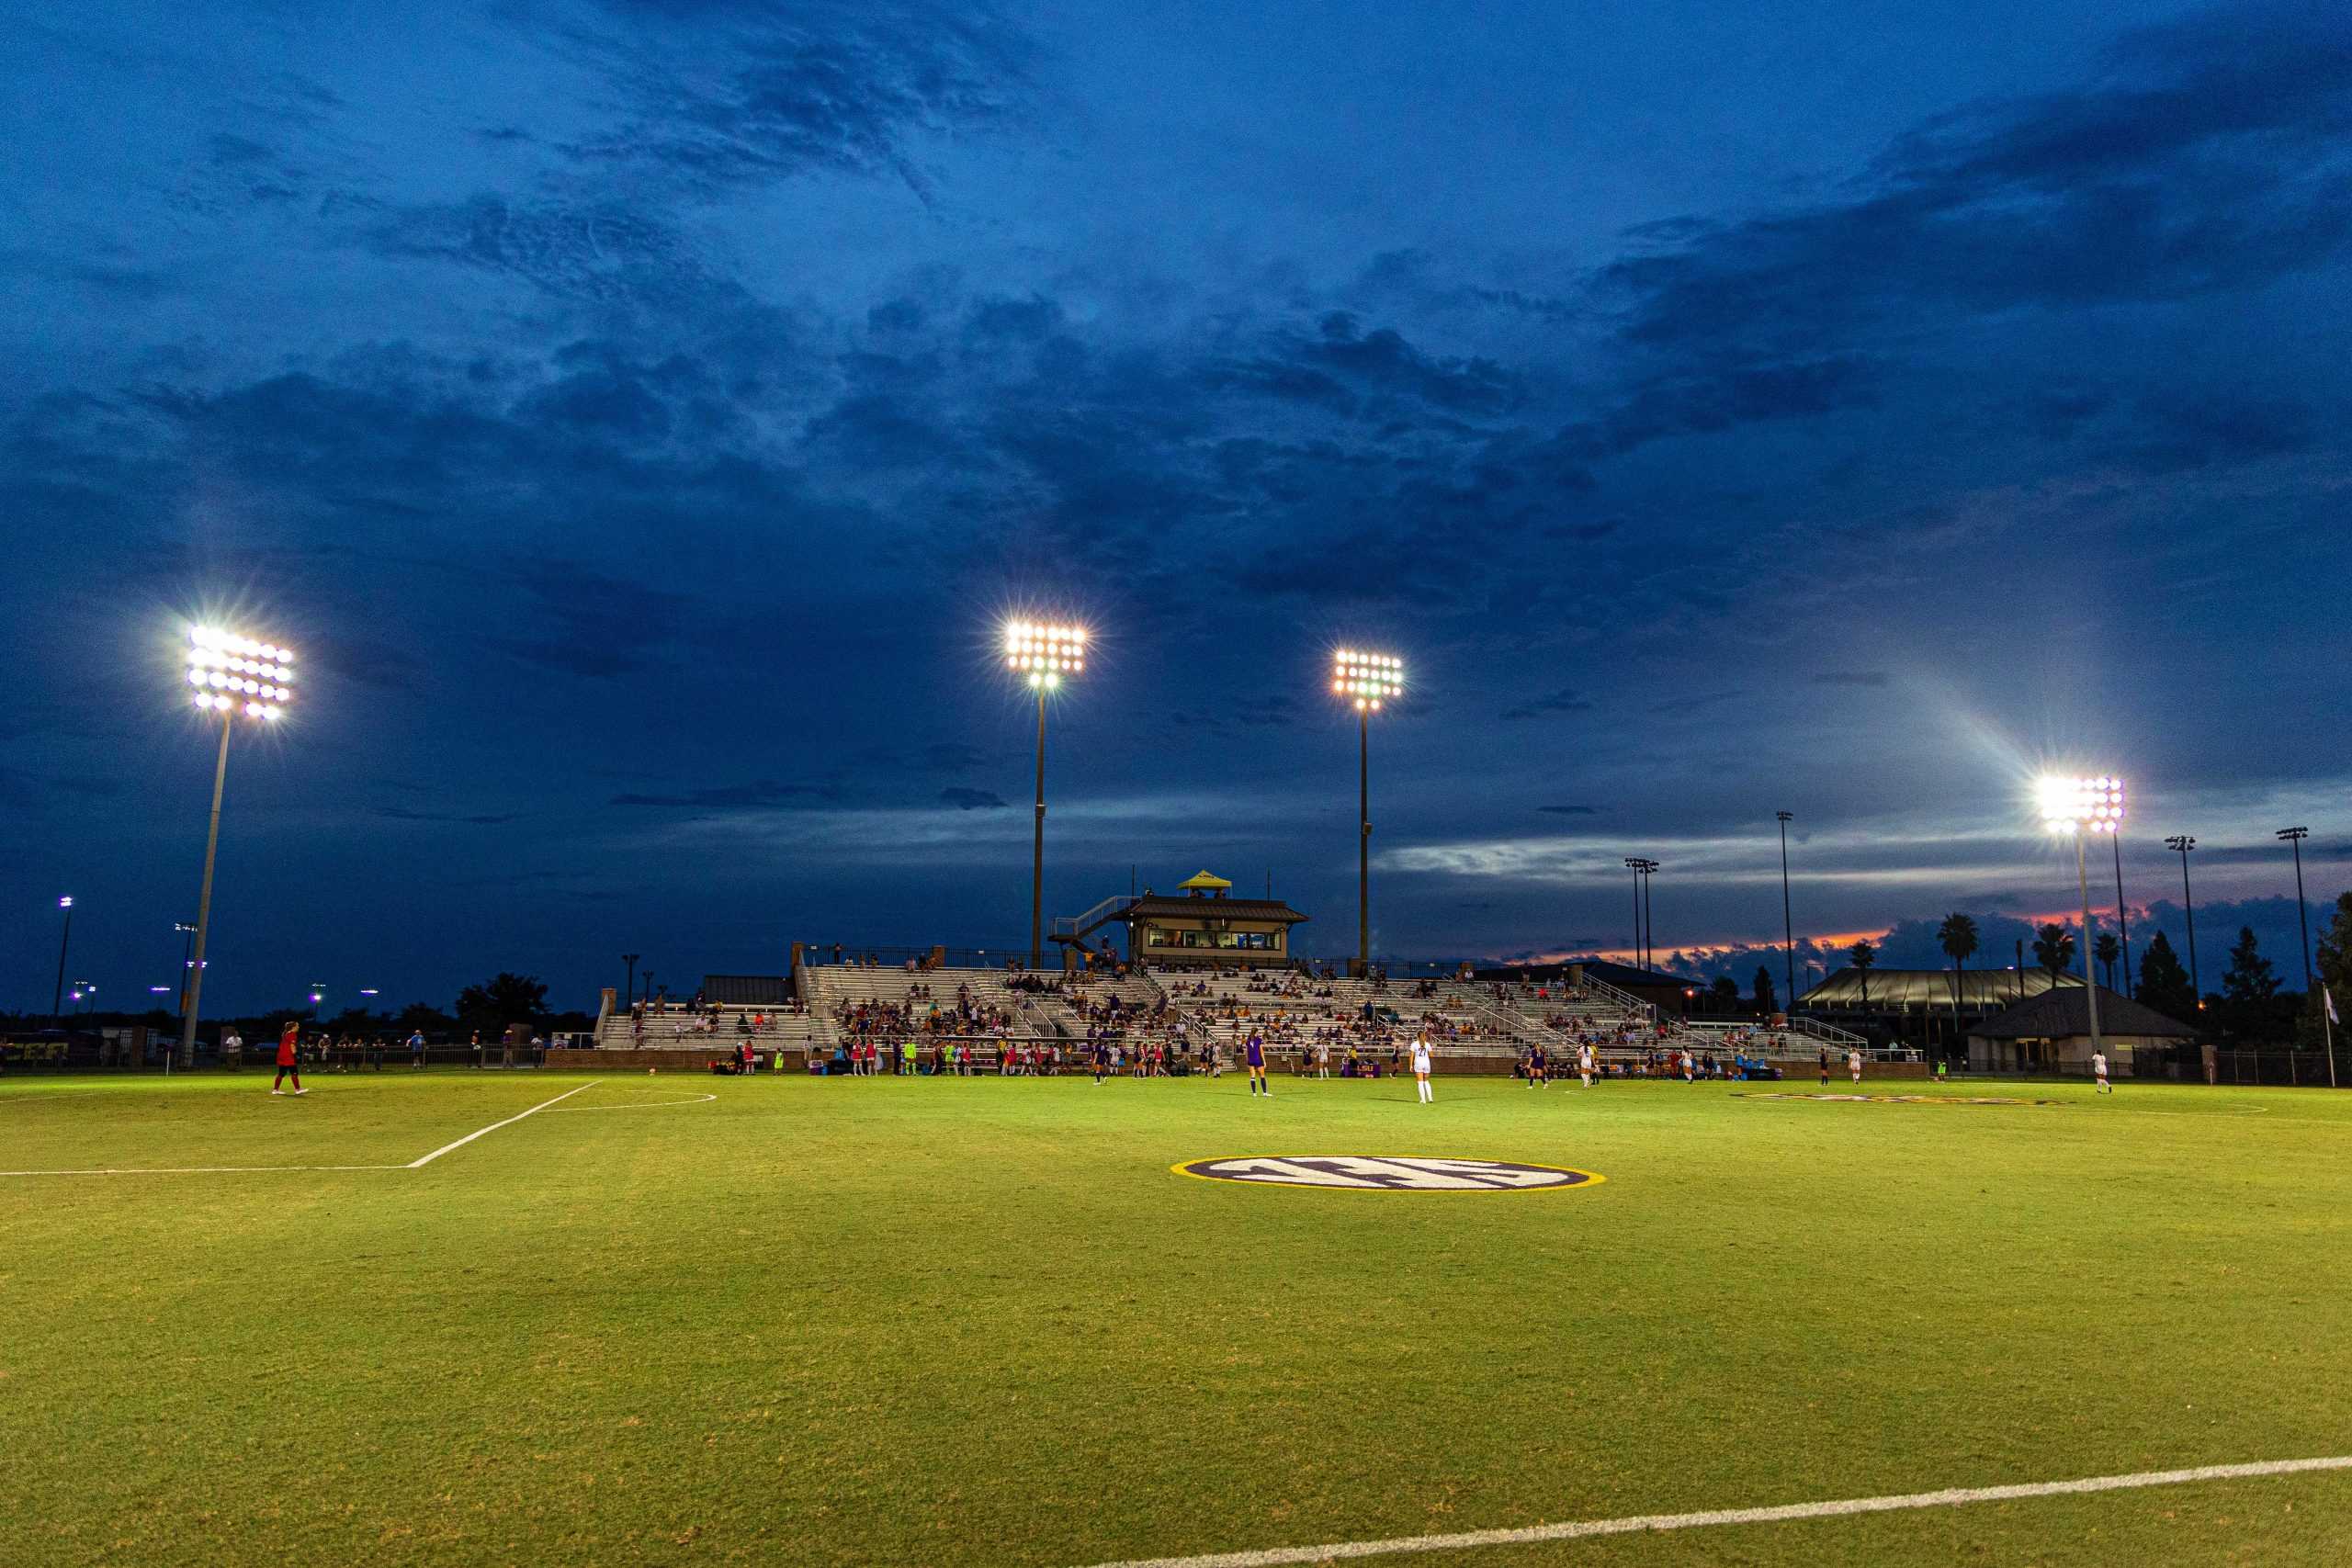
column 983, row 1321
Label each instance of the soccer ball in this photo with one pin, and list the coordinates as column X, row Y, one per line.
column 649, row 1072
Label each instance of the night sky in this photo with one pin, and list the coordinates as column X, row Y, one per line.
column 639, row 417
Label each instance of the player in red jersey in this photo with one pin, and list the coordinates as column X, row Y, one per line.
column 287, row 1038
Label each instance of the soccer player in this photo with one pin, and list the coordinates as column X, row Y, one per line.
column 1421, row 1068
column 1854, row 1066
column 1102, row 1061
column 1584, row 1062
column 1825, row 1066
column 416, row 1050
column 1536, row 1066
column 1254, row 1052
column 288, row 1061
column 2099, row 1071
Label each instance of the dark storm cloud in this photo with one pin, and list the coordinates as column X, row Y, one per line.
column 2211, row 156
column 1563, row 701
column 1342, row 369
column 730, row 95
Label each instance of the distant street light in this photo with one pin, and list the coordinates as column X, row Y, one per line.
column 229, row 674
column 1788, row 921
column 1367, row 680
column 1045, row 654
column 2078, row 808
column 2294, row 837
column 187, row 960
column 628, row 996
column 2184, row 843
column 57, row 996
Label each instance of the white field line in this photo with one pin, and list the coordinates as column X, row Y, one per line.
column 194, row 1169
column 247, row 1170
column 494, row 1126
column 642, row 1104
column 1953, row 1497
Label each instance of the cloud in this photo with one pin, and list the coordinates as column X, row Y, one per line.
column 1570, row 810
column 1850, row 677
column 1562, row 701
column 971, row 799
column 402, row 814
column 759, row 793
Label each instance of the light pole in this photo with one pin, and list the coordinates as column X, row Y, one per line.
column 1641, row 868
column 1045, row 654
column 57, row 996
column 230, row 674
column 2079, row 807
column 629, row 992
column 2295, row 837
column 1788, row 921
column 188, row 952
column 2122, row 921
column 2184, row 843
column 1367, row 680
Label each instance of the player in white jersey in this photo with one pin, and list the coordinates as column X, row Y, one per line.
column 2099, row 1071
column 1854, row 1065
column 1421, row 1068
column 1584, row 1063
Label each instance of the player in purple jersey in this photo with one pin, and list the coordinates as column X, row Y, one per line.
column 1254, row 1052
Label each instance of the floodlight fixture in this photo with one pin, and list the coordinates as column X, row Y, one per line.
column 1366, row 679
column 2293, row 837
column 1045, row 653
column 230, row 674
column 2087, row 804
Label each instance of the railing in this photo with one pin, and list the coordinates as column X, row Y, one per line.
column 1076, row 926
column 1622, row 998
column 1844, row 1039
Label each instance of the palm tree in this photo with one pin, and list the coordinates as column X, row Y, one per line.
column 2107, row 950
column 2053, row 949
column 1864, row 955
column 1957, row 936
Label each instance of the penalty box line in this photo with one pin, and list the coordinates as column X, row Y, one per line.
column 248, row 1170
column 1951, row 1497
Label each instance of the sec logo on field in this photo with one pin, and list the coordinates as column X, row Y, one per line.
column 1387, row 1173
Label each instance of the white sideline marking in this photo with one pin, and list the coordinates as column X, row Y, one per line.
column 248, row 1170
column 1951, row 1497
column 194, row 1170
column 641, row 1104
column 494, row 1126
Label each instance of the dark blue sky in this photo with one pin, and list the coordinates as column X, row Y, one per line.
column 639, row 417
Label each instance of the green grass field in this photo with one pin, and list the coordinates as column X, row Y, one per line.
column 980, row 1321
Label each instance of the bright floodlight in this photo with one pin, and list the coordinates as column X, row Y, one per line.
column 2082, row 805
column 227, row 672
column 1365, row 679
column 65, row 902
column 1044, row 652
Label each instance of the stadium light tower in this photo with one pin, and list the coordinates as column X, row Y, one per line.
column 1045, row 654
column 1366, row 680
column 2079, row 807
column 2183, row 844
column 2295, row 837
column 57, row 997
column 1788, row 921
column 231, row 676
column 1642, row 868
